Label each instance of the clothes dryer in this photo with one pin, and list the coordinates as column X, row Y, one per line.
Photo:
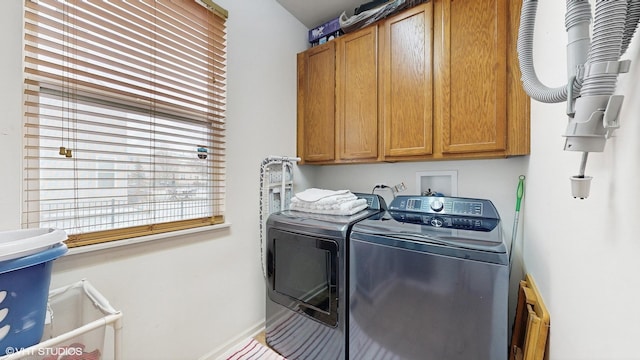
column 307, row 272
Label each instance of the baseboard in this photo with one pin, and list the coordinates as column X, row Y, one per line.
column 250, row 332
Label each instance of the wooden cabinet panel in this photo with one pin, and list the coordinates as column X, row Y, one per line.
column 518, row 102
column 437, row 81
column 476, row 116
column 357, row 95
column 407, row 82
column 316, row 103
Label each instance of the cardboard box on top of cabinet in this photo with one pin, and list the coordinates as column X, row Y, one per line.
column 325, row 32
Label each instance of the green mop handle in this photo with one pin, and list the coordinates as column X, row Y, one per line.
column 514, row 231
column 520, row 192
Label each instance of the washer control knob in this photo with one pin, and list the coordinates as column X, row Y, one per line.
column 436, row 205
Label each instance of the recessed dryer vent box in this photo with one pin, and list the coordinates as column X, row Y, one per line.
column 443, row 182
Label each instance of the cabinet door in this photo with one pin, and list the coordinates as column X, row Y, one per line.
column 406, row 73
column 316, row 103
column 474, row 75
column 357, row 94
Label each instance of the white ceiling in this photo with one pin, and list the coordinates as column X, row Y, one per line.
column 316, row 12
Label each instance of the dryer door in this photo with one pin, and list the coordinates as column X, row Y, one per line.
column 302, row 274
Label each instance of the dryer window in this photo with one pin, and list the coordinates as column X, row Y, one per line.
column 305, row 271
column 301, row 272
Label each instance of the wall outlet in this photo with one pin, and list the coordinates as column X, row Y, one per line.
column 400, row 187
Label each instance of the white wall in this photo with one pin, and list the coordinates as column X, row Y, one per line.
column 582, row 253
column 184, row 297
column 10, row 116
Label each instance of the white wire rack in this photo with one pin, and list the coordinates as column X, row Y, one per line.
column 77, row 318
column 276, row 190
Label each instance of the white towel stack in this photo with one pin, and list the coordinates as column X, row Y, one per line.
column 330, row 202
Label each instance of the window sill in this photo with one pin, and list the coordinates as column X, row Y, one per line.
column 144, row 239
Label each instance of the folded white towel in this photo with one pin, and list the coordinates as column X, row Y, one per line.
column 336, row 199
column 313, row 194
column 345, row 208
column 351, row 211
column 327, row 201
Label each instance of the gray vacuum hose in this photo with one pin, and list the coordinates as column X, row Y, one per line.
column 577, row 20
column 606, row 45
column 614, row 27
column 633, row 17
column 530, row 82
column 578, row 11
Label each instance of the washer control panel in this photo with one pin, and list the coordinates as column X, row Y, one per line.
column 446, row 212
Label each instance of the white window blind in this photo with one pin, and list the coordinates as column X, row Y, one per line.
column 124, row 126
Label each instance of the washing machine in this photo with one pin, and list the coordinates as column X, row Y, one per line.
column 429, row 279
column 306, row 280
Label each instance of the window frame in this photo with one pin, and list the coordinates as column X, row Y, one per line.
column 216, row 119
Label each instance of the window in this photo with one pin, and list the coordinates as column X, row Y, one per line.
column 124, row 123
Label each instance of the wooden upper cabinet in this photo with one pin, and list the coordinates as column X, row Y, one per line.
column 357, row 95
column 316, row 103
column 437, row 81
column 406, row 73
column 475, row 90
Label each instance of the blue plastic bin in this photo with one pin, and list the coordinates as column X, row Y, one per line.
column 24, row 290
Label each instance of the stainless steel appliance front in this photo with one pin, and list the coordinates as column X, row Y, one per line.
column 306, row 303
column 429, row 280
